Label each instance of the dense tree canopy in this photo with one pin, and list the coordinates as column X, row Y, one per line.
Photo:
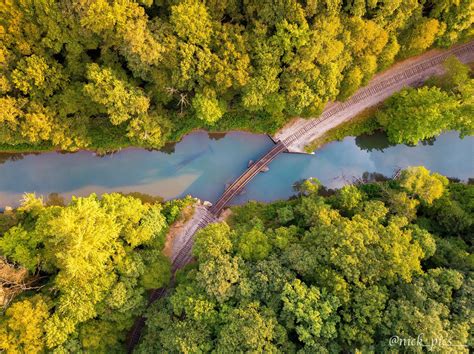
column 103, row 74
column 340, row 273
column 445, row 103
column 91, row 263
column 326, row 271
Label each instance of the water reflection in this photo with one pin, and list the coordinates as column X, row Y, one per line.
column 4, row 157
column 343, row 162
column 201, row 165
column 377, row 142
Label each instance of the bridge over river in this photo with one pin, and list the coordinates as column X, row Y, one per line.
column 412, row 72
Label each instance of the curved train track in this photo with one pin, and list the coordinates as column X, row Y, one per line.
column 377, row 87
column 412, row 71
column 184, row 255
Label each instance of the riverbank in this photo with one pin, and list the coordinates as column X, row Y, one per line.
column 362, row 123
column 105, row 149
column 411, row 72
column 104, row 139
column 201, row 167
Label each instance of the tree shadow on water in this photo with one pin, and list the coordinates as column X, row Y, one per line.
column 428, row 142
column 4, row 157
column 216, row 136
column 377, row 141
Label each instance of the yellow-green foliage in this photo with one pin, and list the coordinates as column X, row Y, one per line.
column 96, row 257
column 106, row 74
column 318, row 274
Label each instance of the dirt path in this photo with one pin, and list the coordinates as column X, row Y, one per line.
column 295, row 136
column 183, row 241
column 411, row 72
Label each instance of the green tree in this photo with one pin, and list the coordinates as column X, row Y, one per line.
column 149, row 129
column 450, row 217
column 311, row 313
column 218, row 270
column 420, row 182
column 207, row 107
column 250, row 329
column 212, row 241
column 420, row 36
column 352, row 81
column 10, row 113
column 84, row 264
column 254, row 245
column 158, row 270
column 119, row 99
column 417, row 114
column 308, row 186
column 389, row 53
column 22, row 328
column 401, row 204
column 21, row 246
column 456, row 76
column 34, row 76
column 348, row 198
column 361, row 317
column 285, row 215
column 191, row 22
column 424, row 307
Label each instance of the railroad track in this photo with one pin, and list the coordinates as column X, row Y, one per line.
column 378, row 87
column 237, row 186
column 184, row 256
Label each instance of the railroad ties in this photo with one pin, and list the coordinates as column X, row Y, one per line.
column 182, row 258
column 372, row 90
column 412, row 72
column 238, row 185
column 206, row 216
column 184, row 255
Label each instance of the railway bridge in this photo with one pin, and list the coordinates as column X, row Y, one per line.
column 237, row 186
column 409, row 73
column 381, row 87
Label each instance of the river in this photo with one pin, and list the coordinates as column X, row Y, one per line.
column 202, row 164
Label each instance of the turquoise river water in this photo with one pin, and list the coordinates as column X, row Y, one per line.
column 202, row 164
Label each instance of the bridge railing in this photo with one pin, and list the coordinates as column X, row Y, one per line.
column 237, row 186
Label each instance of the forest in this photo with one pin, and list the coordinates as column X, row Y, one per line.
column 102, row 75
column 74, row 277
column 325, row 271
column 329, row 272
